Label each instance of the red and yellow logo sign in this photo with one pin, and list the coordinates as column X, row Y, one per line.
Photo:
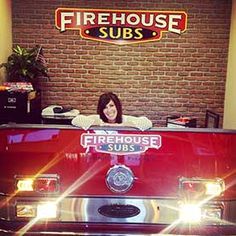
column 120, row 26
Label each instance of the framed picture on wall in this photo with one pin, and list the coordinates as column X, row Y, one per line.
column 212, row 119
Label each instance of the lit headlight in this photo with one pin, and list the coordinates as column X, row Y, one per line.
column 47, row 210
column 214, row 188
column 25, row 184
column 41, row 210
column 190, row 213
column 193, row 213
column 201, row 187
column 40, row 184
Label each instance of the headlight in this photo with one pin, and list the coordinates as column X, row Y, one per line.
column 40, row 184
column 47, row 210
column 193, row 213
column 25, row 184
column 41, row 210
column 214, row 188
column 190, row 213
column 197, row 187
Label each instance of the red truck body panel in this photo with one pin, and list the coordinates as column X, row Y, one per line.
column 82, row 172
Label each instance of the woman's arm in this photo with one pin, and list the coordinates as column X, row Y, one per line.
column 142, row 123
column 85, row 122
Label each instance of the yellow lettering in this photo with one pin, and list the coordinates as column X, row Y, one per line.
column 111, row 33
column 104, row 33
column 127, row 33
column 139, row 34
column 120, row 33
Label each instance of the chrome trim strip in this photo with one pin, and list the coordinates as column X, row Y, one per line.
column 86, row 210
column 58, row 126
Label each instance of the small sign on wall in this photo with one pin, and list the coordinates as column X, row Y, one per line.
column 120, row 26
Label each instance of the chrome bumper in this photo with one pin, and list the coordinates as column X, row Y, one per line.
column 112, row 216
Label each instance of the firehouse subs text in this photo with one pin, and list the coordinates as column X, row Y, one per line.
column 120, row 143
column 120, row 27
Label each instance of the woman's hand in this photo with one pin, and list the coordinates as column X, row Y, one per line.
column 110, row 124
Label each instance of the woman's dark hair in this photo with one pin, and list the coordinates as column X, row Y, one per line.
column 104, row 100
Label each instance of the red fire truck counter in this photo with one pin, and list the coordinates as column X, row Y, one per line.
column 65, row 180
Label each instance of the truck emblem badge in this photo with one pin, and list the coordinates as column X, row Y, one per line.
column 119, row 179
column 120, row 144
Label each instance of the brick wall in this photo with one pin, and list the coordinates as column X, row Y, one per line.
column 178, row 75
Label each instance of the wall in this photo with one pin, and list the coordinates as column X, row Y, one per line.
column 177, row 75
column 5, row 34
column 230, row 96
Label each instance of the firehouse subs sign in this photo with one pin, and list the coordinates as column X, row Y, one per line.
column 120, row 144
column 120, row 26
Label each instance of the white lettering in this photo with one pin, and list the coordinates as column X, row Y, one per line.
column 116, row 18
column 131, row 21
column 101, row 139
column 119, row 139
column 145, row 140
column 86, row 140
column 102, row 18
column 78, row 17
column 143, row 20
column 173, row 23
column 110, row 139
column 89, row 18
column 161, row 21
column 65, row 21
column 128, row 139
column 154, row 142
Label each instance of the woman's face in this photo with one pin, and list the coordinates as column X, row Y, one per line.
column 110, row 112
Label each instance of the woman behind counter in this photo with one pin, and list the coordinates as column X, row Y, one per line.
column 109, row 112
